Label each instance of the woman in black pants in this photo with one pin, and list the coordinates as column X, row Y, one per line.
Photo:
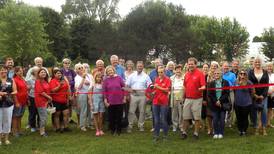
column 243, row 102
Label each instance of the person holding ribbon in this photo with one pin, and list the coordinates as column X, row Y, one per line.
column 243, row 101
column 218, row 102
column 59, row 87
column 259, row 110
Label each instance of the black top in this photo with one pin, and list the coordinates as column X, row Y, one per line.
column 264, row 80
column 212, row 95
column 6, row 101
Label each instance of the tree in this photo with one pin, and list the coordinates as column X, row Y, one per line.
column 268, row 45
column 95, row 9
column 57, row 32
column 22, row 34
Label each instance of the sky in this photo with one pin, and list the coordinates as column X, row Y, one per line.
column 255, row 15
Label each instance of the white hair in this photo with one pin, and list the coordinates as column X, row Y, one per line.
column 77, row 66
column 99, row 61
column 214, row 63
column 113, row 57
column 37, row 58
column 66, row 60
column 170, row 63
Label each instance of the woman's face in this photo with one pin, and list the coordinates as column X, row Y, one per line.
column 213, row 66
column 257, row 63
column 42, row 74
column 20, row 72
column 3, row 72
column 269, row 68
column 217, row 75
column 161, row 72
column 242, row 75
column 110, row 72
column 66, row 64
column 58, row 75
column 130, row 66
column 171, row 67
column 80, row 70
column 98, row 78
column 205, row 68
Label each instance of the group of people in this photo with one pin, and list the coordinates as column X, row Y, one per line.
column 180, row 96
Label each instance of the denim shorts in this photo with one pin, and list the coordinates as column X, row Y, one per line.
column 18, row 111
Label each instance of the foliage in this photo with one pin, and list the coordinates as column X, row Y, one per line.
column 22, row 34
column 268, row 45
column 103, row 10
column 57, row 32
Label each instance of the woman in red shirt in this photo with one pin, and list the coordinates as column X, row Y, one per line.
column 160, row 102
column 42, row 97
column 20, row 100
column 59, row 87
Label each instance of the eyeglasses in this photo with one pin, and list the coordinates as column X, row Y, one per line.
column 160, row 72
column 216, row 73
column 66, row 63
column 242, row 73
column 80, row 68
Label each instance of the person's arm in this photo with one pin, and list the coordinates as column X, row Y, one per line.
column 14, row 92
column 202, row 83
column 40, row 91
column 105, row 93
column 55, row 88
column 90, row 98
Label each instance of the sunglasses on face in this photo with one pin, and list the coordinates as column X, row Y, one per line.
column 66, row 63
column 160, row 72
column 80, row 68
column 216, row 73
column 242, row 73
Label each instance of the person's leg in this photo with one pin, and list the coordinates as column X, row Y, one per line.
column 66, row 113
column 56, row 117
column 96, row 123
column 100, row 121
column 187, row 115
column 254, row 116
column 83, row 110
column 221, row 122
column 196, row 110
column 111, row 118
column 238, row 117
column 215, row 122
column 43, row 119
column 132, row 109
column 7, row 118
column 142, row 108
column 1, row 122
column 163, row 117
column 246, row 111
column 156, row 115
column 175, row 117
column 264, row 117
column 119, row 117
column 14, row 124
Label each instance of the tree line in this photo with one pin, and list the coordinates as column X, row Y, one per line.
column 86, row 30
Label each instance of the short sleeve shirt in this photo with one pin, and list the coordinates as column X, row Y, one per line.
column 161, row 97
column 193, row 81
column 59, row 96
column 22, row 90
column 40, row 87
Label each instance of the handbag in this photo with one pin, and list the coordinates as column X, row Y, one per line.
column 51, row 109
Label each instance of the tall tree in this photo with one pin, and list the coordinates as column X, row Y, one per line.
column 22, row 33
column 96, row 9
column 57, row 32
column 268, row 45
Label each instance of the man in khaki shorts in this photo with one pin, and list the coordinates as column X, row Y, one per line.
column 194, row 85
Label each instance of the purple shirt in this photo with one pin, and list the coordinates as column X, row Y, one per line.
column 112, row 86
column 70, row 75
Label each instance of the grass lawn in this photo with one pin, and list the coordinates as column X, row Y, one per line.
column 135, row 143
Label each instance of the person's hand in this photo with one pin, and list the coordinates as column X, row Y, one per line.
column 17, row 105
column 124, row 100
column 3, row 93
column 218, row 103
column 106, row 104
column 49, row 99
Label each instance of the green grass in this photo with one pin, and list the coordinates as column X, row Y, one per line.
column 136, row 143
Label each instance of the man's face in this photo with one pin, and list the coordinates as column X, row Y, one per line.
column 140, row 68
column 191, row 65
column 10, row 63
column 39, row 63
column 178, row 71
column 114, row 61
column 235, row 65
column 225, row 67
column 100, row 65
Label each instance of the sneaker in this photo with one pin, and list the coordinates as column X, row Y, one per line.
column 28, row 126
column 195, row 136
column 184, row 136
column 215, row 136
column 129, row 130
column 152, row 130
column 0, row 142
column 220, row 136
column 155, row 139
column 174, row 129
column 142, row 129
column 45, row 135
column 7, row 142
column 83, row 129
column 97, row 133
column 102, row 133
column 33, row 130
column 161, row 130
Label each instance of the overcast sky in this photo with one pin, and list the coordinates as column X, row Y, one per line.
column 253, row 14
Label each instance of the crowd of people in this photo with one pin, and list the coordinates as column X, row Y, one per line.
column 117, row 95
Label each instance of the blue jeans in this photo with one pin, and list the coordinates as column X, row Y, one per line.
column 160, row 119
column 254, row 112
column 218, row 122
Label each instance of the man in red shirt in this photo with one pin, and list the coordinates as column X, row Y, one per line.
column 194, row 84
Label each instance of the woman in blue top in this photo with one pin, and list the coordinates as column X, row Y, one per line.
column 243, row 102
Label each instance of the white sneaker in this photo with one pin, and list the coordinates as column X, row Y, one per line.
column 83, row 129
column 220, row 136
column 215, row 136
column 174, row 129
column 142, row 129
column 32, row 130
column 161, row 130
column 152, row 130
column 129, row 130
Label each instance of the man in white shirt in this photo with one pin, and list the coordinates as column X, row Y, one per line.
column 137, row 83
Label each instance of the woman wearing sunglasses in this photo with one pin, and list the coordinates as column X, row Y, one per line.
column 243, row 102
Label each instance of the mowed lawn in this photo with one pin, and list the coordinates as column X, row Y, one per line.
column 136, row 143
